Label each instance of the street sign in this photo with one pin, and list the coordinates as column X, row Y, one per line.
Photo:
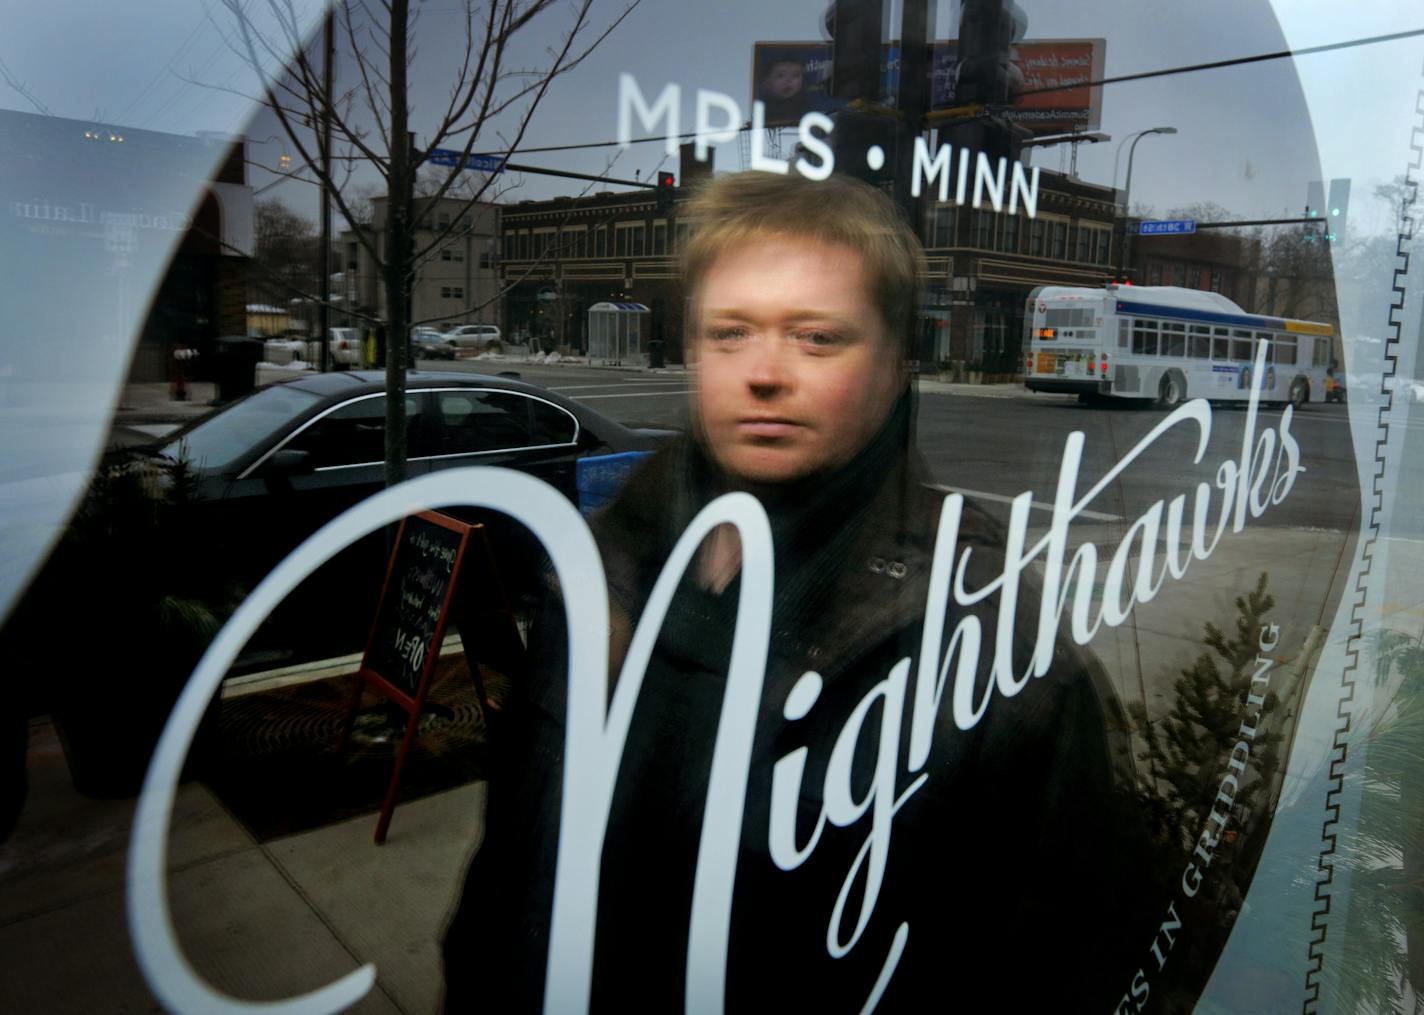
column 483, row 163
column 1167, row 227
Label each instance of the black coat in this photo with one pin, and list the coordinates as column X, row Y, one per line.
column 1013, row 865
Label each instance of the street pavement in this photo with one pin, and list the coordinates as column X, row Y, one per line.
column 266, row 920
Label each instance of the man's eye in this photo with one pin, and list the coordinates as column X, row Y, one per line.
column 819, row 339
column 727, row 334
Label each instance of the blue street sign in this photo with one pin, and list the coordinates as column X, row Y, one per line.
column 1167, row 227
column 449, row 157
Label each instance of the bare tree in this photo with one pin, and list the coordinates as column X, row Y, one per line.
column 284, row 255
column 369, row 121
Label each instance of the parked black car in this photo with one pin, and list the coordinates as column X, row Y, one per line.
column 271, row 468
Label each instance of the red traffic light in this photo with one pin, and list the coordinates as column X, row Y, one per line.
column 665, row 179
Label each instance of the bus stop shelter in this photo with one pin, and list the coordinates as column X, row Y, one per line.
column 616, row 332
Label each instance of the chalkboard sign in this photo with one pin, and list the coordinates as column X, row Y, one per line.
column 405, row 637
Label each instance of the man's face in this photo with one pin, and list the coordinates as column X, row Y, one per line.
column 795, row 373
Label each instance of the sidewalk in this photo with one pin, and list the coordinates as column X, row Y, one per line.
column 256, row 920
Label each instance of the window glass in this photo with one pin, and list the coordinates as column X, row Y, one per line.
column 353, row 434
column 1174, row 339
column 1060, row 240
column 1009, row 234
column 1198, row 341
column 1144, row 337
column 1221, row 682
column 484, row 421
column 222, row 438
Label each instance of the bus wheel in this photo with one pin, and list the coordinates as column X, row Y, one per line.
column 1169, row 395
column 1299, row 393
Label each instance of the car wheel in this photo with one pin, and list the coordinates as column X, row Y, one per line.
column 1169, row 395
column 1299, row 394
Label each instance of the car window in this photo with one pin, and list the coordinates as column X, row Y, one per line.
column 481, row 421
column 354, row 434
column 226, row 436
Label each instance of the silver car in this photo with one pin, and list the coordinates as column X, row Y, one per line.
column 473, row 336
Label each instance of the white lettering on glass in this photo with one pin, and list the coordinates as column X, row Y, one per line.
column 631, row 100
column 597, row 727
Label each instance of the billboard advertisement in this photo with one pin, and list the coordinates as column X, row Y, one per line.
column 1052, row 75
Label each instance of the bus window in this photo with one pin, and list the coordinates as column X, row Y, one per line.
column 1122, row 327
column 1199, row 342
column 1174, row 339
column 1285, row 349
column 1322, row 351
column 1144, row 337
column 1221, row 345
column 1262, row 336
column 1241, row 345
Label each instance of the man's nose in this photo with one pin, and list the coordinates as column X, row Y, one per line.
column 768, row 369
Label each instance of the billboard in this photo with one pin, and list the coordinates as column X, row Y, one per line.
column 1054, row 75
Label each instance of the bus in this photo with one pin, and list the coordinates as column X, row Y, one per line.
column 1167, row 344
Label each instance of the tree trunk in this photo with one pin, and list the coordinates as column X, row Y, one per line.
column 398, row 248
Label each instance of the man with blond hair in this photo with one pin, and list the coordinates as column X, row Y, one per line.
column 857, row 884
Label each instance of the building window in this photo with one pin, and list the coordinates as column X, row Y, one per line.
column 659, row 239
column 942, row 227
column 442, row 220
column 1009, row 235
column 544, row 242
column 1085, row 237
column 628, row 239
column 486, row 260
column 600, row 242
column 1060, row 241
column 1154, row 274
column 452, row 254
column 452, row 292
column 511, row 246
column 1216, row 281
column 1036, row 237
column 568, row 243
column 984, row 230
column 1194, row 277
column 524, row 245
column 581, row 242
column 681, row 235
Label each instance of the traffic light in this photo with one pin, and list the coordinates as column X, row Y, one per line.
column 664, row 193
column 1337, row 209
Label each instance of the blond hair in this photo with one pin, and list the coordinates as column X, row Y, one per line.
column 731, row 211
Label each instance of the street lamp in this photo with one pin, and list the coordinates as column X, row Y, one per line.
column 1127, row 189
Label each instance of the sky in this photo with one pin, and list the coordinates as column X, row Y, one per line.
column 1246, row 138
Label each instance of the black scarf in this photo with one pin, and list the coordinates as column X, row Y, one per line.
column 815, row 522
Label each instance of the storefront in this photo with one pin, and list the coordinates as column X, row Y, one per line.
column 1006, row 593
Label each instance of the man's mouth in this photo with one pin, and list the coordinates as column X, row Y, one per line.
column 767, row 427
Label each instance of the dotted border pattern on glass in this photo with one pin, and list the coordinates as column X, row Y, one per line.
column 1344, row 710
